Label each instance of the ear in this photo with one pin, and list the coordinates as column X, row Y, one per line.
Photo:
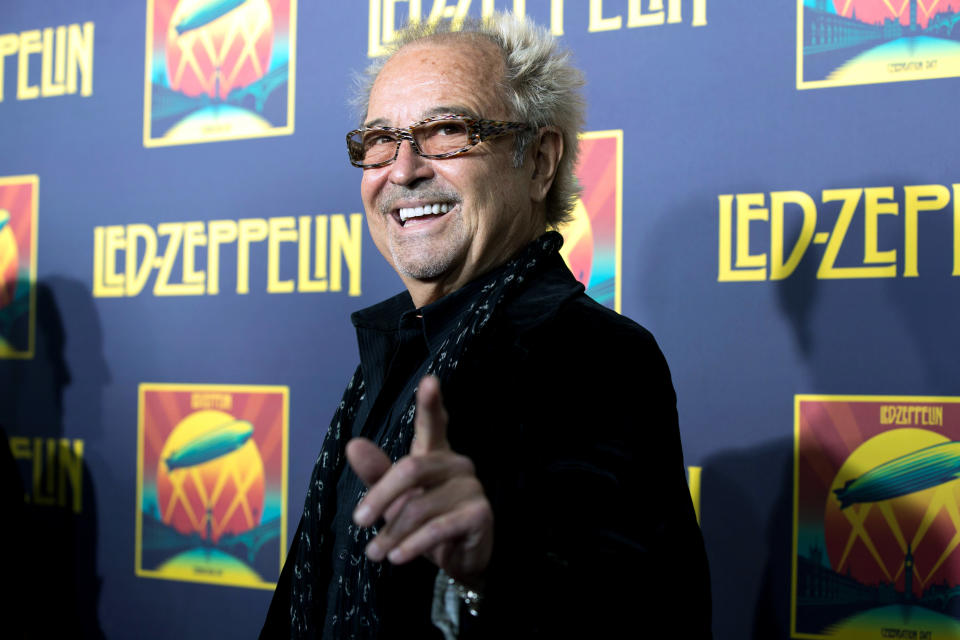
column 546, row 153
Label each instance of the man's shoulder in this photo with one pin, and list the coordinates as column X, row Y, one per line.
column 583, row 311
column 556, row 302
column 582, row 324
column 590, row 336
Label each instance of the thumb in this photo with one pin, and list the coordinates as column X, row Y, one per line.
column 368, row 461
column 430, row 423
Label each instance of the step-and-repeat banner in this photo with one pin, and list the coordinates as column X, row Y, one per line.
column 770, row 187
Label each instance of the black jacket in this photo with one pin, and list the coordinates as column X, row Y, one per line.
column 569, row 415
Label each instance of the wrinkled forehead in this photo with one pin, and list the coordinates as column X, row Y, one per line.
column 427, row 77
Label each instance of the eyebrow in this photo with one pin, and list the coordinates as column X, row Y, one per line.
column 434, row 111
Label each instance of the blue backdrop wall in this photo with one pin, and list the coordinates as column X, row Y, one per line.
column 770, row 187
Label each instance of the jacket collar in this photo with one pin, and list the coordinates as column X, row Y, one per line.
column 544, row 297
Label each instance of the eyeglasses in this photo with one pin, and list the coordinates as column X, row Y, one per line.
column 443, row 136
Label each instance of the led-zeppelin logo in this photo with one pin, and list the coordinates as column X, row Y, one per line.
column 18, row 265
column 876, row 549
column 845, row 42
column 591, row 240
column 218, row 70
column 212, row 488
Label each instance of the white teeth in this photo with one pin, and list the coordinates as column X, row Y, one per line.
column 414, row 212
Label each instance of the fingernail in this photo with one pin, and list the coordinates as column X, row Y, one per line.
column 374, row 552
column 361, row 514
column 395, row 556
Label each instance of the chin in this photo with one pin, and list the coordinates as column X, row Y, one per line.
column 423, row 263
column 420, row 270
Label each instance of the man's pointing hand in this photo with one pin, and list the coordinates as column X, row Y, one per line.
column 431, row 500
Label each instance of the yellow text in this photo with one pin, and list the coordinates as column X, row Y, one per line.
column 65, row 52
column 211, row 400
column 911, row 414
column 752, row 236
column 54, row 463
column 306, row 254
column 603, row 16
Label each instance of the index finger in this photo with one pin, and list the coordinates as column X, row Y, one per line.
column 430, row 422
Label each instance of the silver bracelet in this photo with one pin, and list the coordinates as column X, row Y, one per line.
column 470, row 598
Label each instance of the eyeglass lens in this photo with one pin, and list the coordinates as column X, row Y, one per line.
column 433, row 138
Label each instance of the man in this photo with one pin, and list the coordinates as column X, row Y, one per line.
column 506, row 458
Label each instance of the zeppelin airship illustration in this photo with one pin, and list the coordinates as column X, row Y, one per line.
column 216, row 442
column 922, row 469
column 205, row 13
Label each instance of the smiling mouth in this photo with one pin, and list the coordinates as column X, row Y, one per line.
column 436, row 209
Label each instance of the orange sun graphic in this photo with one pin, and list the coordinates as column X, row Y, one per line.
column 222, row 495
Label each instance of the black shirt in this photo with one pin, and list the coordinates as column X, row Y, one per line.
column 396, row 342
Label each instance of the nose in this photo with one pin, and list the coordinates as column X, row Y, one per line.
column 409, row 166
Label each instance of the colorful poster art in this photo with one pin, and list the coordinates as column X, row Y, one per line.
column 18, row 265
column 845, row 42
column 876, row 518
column 218, row 70
column 212, row 483
column 591, row 240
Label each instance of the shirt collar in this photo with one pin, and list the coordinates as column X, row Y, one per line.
column 533, row 305
column 437, row 319
column 440, row 318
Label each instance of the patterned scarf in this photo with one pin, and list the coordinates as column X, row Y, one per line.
column 356, row 611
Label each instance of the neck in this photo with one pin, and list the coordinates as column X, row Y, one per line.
column 424, row 292
column 427, row 293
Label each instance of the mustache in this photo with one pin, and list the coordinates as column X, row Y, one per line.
column 388, row 199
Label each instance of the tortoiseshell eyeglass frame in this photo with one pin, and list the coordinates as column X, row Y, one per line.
column 478, row 131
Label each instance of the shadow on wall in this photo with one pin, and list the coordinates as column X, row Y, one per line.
column 746, row 511
column 747, row 502
column 48, row 498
